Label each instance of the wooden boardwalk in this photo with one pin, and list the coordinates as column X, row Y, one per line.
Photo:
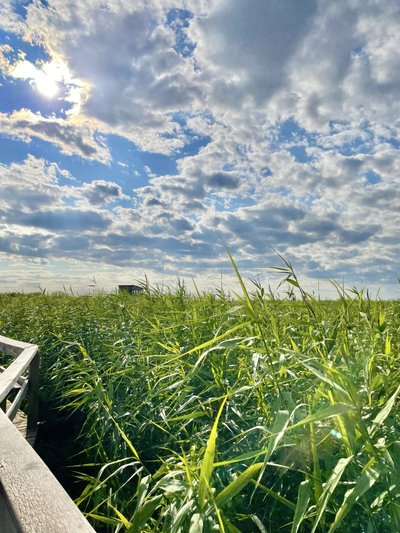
column 20, row 419
column 21, row 423
column 31, row 499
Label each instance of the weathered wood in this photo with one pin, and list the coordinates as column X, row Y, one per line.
column 31, row 499
column 33, row 394
column 26, row 355
column 11, row 346
column 7, row 522
column 13, row 409
column 38, row 502
column 20, row 380
column 14, row 371
column 19, row 421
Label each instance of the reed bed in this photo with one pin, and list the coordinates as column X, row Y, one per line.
column 206, row 412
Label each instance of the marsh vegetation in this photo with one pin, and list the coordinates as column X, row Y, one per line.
column 204, row 412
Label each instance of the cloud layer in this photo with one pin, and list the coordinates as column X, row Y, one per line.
column 280, row 119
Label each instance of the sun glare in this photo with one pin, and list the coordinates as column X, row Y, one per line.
column 47, row 85
column 51, row 79
column 46, row 79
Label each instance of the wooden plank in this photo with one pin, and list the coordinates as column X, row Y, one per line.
column 13, row 409
column 20, row 380
column 11, row 346
column 37, row 500
column 7, row 523
column 20, row 423
column 15, row 370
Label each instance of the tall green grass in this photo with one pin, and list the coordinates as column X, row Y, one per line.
column 202, row 413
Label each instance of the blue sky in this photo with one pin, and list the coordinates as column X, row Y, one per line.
column 141, row 137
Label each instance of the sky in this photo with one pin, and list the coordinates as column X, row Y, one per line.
column 142, row 137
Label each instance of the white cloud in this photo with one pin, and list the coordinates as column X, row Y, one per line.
column 101, row 192
column 337, row 238
column 326, row 194
column 32, row 197
column 49, row 78
column 126, row 55
column 244, row 48
column 73, row 136
column 9, row 20
column 317, row 62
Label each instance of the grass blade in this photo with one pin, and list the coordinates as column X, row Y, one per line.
column 238, row 484
column 367, row 479
column 242, row 285
column 278, row 430
column 383, row 413
column 323, row 414
column 143, row 514
column 123, row 519
column 303, row 498
column 329, row 412
column 275, row 495
column 208, row 460
column 329, row 488
column 214, row 340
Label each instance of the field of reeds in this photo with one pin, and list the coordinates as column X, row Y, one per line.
column 206, row 412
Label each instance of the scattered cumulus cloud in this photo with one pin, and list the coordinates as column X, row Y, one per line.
column 257, row 124
column 100, row 192
column 72, row 136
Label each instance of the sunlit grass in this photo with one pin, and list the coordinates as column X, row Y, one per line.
column 210, row 413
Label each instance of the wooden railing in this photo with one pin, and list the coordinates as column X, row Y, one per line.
column 31, row 499
column 13, row 378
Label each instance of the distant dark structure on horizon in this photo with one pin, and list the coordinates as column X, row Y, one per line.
column 132, row 289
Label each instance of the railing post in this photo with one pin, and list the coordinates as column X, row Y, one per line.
column 33, row 394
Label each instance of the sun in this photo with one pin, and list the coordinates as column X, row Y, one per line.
column 52, row 80
column 47, row 85
column 47, row 80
